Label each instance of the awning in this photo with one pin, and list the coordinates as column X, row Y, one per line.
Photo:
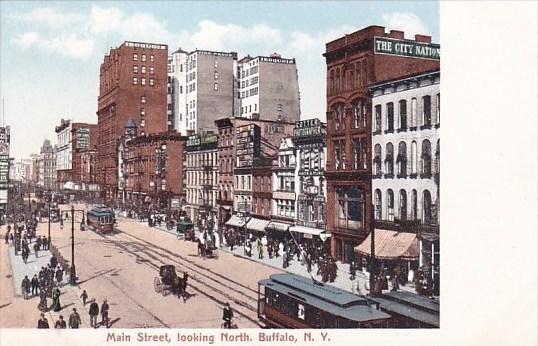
column 307, row 230
column 235, row 221
column 257, row 225
column 391, row 245
column 277, row 226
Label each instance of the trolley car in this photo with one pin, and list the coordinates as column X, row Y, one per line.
column 292, row 301
column 101, row 218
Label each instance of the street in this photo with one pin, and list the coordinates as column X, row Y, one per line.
column 121, row 268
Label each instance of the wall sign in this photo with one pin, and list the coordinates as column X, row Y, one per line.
column 407, row 48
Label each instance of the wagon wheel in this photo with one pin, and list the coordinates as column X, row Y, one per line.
column 157, row 284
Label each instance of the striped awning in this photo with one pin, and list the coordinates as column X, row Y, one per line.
column 391, row 245
column 257, row 225
column 277, row 226
column 235, row 221
column 307, row 230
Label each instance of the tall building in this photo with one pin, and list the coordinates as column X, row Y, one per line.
column 5, row 139
column 268, row 88
column 133, row 84
column 406, row 165
column 48, row 158
column 202, row 89
column 355, row 62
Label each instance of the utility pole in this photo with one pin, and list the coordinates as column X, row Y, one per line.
column 49, row 224
column 372, row 254
column 73, row 271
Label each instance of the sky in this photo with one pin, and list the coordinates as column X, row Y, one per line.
column 50, row 52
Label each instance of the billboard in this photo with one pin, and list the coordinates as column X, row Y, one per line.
column 247, row 145
column 407, row 48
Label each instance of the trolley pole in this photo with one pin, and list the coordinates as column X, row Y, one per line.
column 73, row 275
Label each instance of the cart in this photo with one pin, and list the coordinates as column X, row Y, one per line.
column 167, row 281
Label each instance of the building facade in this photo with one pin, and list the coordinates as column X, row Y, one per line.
column 5, row 141
column 133, row 84
column 268, row 88
column 284, row 182
column 64, row 155
column 406, row 161
column 201, row 186
column 355, row 62
column 48, row 157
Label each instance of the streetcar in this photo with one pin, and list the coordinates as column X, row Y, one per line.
column 101, row 218
column 292, row 301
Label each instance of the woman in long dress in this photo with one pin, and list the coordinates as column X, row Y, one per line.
column 56, row 306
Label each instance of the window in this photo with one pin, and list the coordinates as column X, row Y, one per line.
column 339, row 155
column 135, row 57
column 414, row 157
column 359, row 114
column 143, row 69
column 216, row 86
column 151, row 70
column 377, row 160
column 390, row 117
column 151, row 58
column 390, row 205
column 216, row 75
column 142, row 99
column 414, row 112
column 427, row 208
column 359, row 153
column 142, row 111
column 403, row 205
column 437, row 158
column 403, row 114
column 143, row 57
column 426, row 159
column 402, row 160
column 438, row 104
column 151, row 82
column 143, row 81
column 378, row 118
column 142, row 122
column 338, row 111
column 413, row 214
column 181, row 89
column 350, row 207
column 389, row 161
column 135, row 80
column 135, row 69
column 378, row 204
column 426, row 111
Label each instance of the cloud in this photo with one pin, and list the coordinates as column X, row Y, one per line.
column 49, row 17
column 28, row 39
column 68, row 45
column 409, row 23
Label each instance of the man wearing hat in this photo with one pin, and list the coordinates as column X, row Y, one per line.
column 74, row 319
column 94, row 311
column 104, row 314
column 227, row 315
column 60, row 324
column 43, row 323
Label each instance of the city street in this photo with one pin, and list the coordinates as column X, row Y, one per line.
column 121, row 268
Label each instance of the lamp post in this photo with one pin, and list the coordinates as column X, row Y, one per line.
column 73, row 273
column 372, row 253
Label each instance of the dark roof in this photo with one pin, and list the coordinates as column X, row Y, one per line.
column 409, row 311
column 101, row 211
column 358, row 312
column 416, row 300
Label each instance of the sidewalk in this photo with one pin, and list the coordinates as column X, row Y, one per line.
column 20, row 269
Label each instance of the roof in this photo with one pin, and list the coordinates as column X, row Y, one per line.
column 391, row 245
column 414, row 299
column 258, row 225
column 235, row 221
column 278, row 226
column 307, row 230
column 331, row 299
column 408, row 311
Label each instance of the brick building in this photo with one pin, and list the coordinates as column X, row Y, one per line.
column 354, row 62
column 133, row 84
column 151, row 167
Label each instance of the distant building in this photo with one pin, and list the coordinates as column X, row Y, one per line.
column 132, row 84
column 47, row 180
column 268, row 88
column 5, row 140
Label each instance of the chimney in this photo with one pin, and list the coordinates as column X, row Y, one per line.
column 423, row 38
column 396, row 34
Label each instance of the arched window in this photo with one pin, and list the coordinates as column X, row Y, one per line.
column 414, row 121
column 426, row 159
column 414, row 157
column 438, row 158
column 390, row 205
column 414, row 204
column 378, row 205
column 389, row 160
column 359, row 114
column 390, row 116
column 377, row 118
column 402, row 160
column 402, row 110
column 338, row 116
column 427, row 207
column 426, row 110
column 403, row 205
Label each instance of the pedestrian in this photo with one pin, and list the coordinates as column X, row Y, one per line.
column 260, row 249
column 227, row 316
column 36, row 249
column 94, row 311
column 104, row 314
column 34, row 283
column 84, row 297
column 25, row 287
column 43, row 323
column 6, row 237
column 25, row 254
column 53, row 259
column 184, row 286
column 45, row 243
column 11, row 239
column 74, row 319
column 60, row 324
column 56, row 305
column 59, row 275
column 43, row 305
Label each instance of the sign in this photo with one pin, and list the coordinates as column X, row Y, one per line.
column 83, row 138
column 307, row 128
column 207, row 141
column 247, row 145
column 407, row 48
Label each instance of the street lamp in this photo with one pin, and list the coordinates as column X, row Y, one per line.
column 73, row 273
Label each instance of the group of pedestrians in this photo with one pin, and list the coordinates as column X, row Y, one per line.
column 94, row 312
column 73, row 323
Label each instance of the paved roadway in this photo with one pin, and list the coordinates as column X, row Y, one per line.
column 121, row 267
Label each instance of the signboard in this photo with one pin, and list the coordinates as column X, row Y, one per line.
column 175, row 203
column 83, row 138
column 307, row 128
column 407, row 48
column 201, row 142
column 247, row 144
